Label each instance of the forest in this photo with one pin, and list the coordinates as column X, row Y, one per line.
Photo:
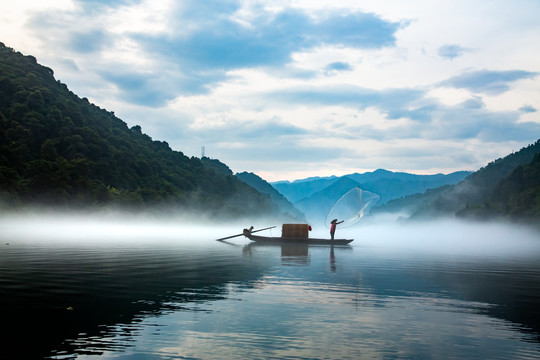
column 516, row 196
column 505, row 189
column 60, row 150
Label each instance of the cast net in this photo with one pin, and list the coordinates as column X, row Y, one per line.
column 352, row 207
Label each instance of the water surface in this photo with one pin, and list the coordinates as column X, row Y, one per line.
column 163, row 291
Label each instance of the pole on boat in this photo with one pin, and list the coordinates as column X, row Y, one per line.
column 233, row 236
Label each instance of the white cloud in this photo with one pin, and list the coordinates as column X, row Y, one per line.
column 308, row 88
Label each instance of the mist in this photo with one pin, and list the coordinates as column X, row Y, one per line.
column 449, row 236
column 81, row 279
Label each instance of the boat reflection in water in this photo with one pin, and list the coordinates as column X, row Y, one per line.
column 295, row 254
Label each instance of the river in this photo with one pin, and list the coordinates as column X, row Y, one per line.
column 77, row 288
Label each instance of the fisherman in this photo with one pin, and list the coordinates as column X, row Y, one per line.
column 245, row 232
column 333, row 227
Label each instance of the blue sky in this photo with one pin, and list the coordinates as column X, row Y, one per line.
column 292, row 89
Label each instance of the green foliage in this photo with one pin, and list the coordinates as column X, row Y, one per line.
column 488, row 177
column 518, row 195
column 513, row 193
column 56, row 148
column 506, row 187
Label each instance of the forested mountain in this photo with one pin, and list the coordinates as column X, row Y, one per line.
column 58, row 149
column 505, row 187
column 264, row 187
column 516, row 196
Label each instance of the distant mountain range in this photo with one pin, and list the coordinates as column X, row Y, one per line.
column 316, row 196
column 389, row 185
column 507, row 188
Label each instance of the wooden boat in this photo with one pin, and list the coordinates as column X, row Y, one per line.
column 294, row 240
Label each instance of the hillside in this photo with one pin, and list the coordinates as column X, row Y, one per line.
column 58, row 149
column 516, row 196
column 483, row 189
column 263, row 187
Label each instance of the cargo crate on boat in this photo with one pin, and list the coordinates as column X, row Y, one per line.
column 295, row 230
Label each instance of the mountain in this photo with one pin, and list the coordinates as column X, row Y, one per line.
column 217, row 166
column 58, row 149
column 389, row 185
column 517, row 196
column 300, row 189
column 317, row 206
column 513, row 175
column 264, row 187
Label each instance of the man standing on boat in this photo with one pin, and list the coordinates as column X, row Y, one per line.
column 333, row 227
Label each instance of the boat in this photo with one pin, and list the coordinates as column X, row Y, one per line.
column 295, row 240
column 294, row 234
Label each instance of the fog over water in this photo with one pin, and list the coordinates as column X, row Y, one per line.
column 448, row 235
column 117, row 286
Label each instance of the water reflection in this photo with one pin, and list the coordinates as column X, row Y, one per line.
column 307, row 312
column 156, row 297
column 296, row 254
column 69, row 297
column 291, row 254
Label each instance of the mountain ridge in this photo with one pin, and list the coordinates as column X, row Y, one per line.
column 60, row 150
column 474, row 192
column 389, row 185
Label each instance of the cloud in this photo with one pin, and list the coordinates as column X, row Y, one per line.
column 451, row 51
column 89, row 42
column 288, row 152
column 421, row 113
column 271, row 129
column 472, row 120
column 392, row 101
column 472, row 103
column 488, row 81
column 142, row 89
column 528, row 109
column 106, row 3
column 264, row 141
column 203, row 42
column 351, row 95
column 215, row 41
column 298, row 82
column 154, row 88
column 337, row 66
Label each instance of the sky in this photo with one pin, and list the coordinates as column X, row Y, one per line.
column 293, row 89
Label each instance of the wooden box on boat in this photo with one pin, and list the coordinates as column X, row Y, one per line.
column 295, row 231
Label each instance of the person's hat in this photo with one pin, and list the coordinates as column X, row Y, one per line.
column 334, row 221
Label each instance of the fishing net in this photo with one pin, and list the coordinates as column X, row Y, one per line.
column 352, row 207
